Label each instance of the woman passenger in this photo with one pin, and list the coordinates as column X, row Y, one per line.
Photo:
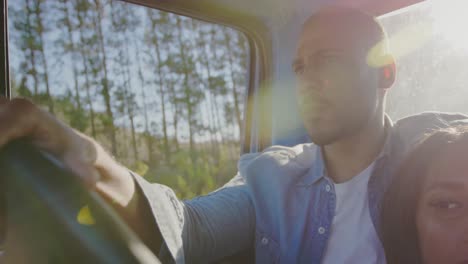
column 425, row 210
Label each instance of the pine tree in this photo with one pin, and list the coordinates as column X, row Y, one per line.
column 85, row 46
column 124, row 22
column 190, row 94
column 158, row 21
column 23, row 18
column 40, row 29
column 67, row 44
column 108, row 119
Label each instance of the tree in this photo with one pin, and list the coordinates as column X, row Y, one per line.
column 157, row 22
column 108, row 119
column 190, row 94
column 149, row 139
column 231, row 55
column 40, row 30
column 85, row 47
column 67, row 44
column 124, row 22
column 27, row 42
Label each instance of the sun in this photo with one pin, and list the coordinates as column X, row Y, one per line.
column 451, row 21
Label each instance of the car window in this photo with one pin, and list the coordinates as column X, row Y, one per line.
column 162, row 92
column 430, row 43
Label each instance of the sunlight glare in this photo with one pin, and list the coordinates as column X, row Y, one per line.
column 446, row 20
column 450, row 21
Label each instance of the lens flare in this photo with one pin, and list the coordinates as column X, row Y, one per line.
column 402, row 43
column 85, row 217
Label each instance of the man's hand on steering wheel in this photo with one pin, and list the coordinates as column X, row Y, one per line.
column 20, row 118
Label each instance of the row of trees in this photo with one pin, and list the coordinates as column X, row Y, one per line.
column 164, row 93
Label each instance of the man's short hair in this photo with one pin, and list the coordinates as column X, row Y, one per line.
column 369, row 31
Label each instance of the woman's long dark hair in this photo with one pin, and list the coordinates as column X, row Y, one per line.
column 398, row 217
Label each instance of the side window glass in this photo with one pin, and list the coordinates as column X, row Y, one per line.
column 162, row 92
column 429, row 41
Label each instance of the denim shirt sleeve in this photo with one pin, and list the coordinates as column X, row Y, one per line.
column 206, row 228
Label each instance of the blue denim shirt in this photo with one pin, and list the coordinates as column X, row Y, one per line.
column 281, row 201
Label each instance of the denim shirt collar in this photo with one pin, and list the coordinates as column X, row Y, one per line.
column 317, row 169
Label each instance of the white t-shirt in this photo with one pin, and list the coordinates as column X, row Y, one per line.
column 353, row 238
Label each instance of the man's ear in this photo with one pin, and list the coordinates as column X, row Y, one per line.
column 387, row 73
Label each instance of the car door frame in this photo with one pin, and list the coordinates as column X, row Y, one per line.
column 5, row 89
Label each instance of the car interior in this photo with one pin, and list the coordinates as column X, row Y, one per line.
column 41, row 199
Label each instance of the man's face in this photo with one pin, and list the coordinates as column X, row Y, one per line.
column 337, row 92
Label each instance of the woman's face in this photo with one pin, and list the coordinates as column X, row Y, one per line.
column 442, row 212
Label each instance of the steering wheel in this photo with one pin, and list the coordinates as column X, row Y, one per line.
column 49, row 216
